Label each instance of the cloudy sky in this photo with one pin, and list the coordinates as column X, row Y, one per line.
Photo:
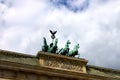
column 94, row 24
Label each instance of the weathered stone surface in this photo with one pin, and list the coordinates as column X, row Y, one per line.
column 18, row 57
column 50, row 67
column 62, row 62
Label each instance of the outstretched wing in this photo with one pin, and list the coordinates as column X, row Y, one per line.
column 51, row 32
column 54, row 32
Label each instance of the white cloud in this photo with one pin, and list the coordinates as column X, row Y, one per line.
column 96, row 29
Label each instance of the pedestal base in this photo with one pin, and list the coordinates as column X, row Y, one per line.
column 62, row 62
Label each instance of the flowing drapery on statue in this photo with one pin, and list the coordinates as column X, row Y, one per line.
column 53, row 47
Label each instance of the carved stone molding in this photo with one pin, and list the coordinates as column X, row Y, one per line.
column 62, row 62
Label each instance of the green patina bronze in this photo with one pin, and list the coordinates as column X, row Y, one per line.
column 53, row 47
column 45, row 46
column 74, row 52
column 65, row 50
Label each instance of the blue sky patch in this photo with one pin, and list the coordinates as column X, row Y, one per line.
column 73, row 5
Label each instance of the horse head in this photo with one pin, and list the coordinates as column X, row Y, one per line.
column 76, row 47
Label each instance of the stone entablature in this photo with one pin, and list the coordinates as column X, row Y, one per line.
column 15, row 70
column 62, row 62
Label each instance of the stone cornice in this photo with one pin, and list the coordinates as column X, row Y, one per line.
column 15, row 54
column 50, row 71
column 41, row 69
column 103, row 69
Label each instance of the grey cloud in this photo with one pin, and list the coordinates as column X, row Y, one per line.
column 96, row 29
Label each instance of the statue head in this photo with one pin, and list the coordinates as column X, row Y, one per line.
column 68, row 42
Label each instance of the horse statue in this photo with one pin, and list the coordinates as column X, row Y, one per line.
column 53, row 46
column 65, row 50
column 45, row 46
column 74, row 52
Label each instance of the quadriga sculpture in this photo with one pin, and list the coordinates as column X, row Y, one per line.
column 65, row 50
column 74, row 52
column 45, row 46
column 53, row 47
